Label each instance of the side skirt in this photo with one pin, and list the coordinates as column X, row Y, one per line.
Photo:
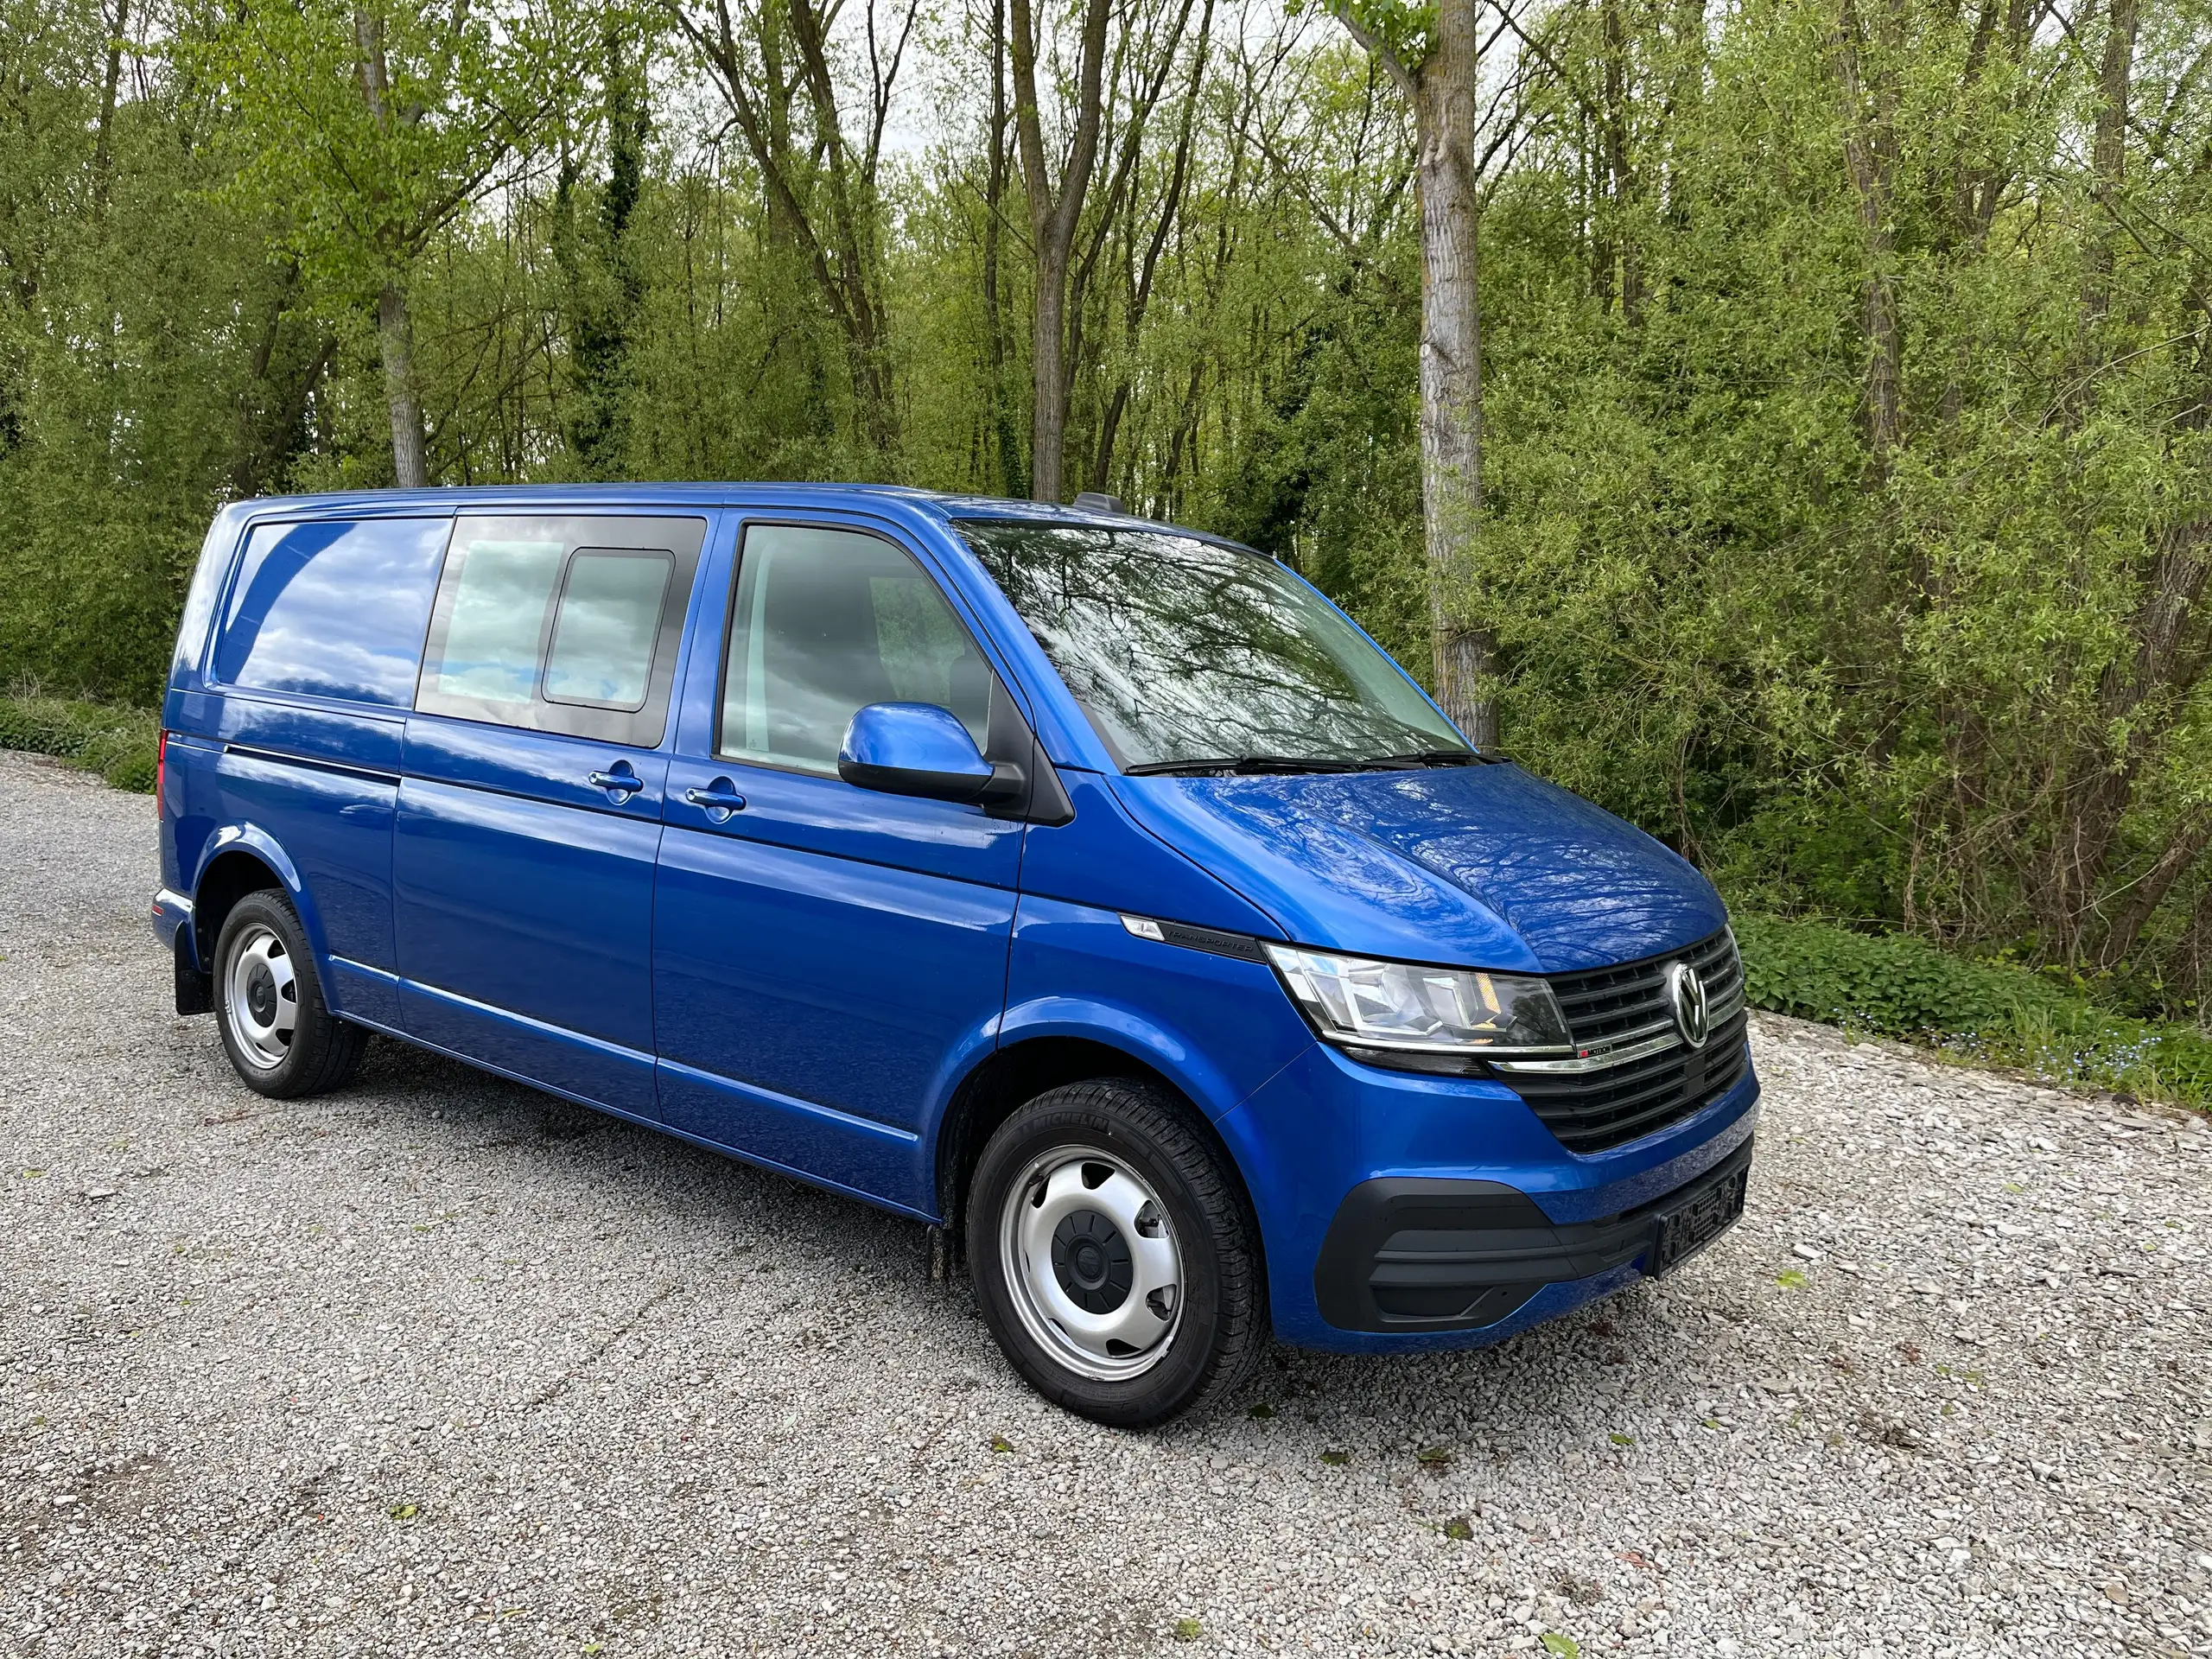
column 647, row 1123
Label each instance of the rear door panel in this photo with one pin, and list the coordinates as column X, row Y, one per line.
column 524, row 905
column 523, row 877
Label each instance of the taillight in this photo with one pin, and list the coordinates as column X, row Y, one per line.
column 160, row 774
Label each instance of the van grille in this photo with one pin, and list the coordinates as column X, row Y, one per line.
column 1590, row 1111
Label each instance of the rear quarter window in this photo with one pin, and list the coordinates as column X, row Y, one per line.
column 335, row 608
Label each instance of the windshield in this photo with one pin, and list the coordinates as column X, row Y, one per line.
column 1190, row 656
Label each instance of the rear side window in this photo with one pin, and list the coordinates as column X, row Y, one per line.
column 562, row 623
column 332, row 609
column 499, row 592
column 826, row 621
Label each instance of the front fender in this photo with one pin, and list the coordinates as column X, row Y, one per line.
column 1178, row 1057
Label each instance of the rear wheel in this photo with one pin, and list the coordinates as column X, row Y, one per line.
column 280, row 1036
column 1115, row 1258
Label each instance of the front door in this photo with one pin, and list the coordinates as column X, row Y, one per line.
column 826, row 958
column 529, row 815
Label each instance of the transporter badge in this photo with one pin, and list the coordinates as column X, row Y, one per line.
column 1686, row 994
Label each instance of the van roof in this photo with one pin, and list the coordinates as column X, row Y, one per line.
column 935, row 504
column 705, row 494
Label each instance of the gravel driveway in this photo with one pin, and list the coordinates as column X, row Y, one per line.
column 439, row 1365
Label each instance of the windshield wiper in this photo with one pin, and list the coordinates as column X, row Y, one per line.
column 1414, row 758
column 1231, row 764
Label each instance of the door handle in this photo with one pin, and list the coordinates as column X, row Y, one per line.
column 621, row 781
column 717, row 800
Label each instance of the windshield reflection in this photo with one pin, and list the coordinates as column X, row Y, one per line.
column 1191, row 655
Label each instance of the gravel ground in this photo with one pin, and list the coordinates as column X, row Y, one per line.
column 439, row 1365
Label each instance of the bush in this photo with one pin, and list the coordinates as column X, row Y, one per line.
column 121, row 744
column 1890, row 983
column 1991, row 1013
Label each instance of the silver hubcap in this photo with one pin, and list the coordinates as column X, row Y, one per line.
column 261, row 994
column 1092, row 1264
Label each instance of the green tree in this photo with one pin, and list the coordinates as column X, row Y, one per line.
column 1430, row 54
column 372, row 127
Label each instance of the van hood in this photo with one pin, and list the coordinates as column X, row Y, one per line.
column 1481, row 865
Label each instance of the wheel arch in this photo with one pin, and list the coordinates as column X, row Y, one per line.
column 1010, row 1076
column 243, row 860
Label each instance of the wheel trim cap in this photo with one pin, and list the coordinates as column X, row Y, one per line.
column 260, row 960
column 1132, row 1336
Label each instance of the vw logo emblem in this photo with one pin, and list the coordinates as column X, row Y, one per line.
column 1686, row 995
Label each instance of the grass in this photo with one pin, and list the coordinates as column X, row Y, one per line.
column 1971, row 1011
column 120, row 743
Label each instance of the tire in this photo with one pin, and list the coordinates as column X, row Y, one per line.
column 283, row 1039
column 1089, row 1203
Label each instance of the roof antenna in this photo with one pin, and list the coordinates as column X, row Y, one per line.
column 1093, row 501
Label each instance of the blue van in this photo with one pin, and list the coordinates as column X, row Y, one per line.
column 1091, row 889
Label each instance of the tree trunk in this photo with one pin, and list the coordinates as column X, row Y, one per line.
column 395, row 323
column 2108, row 159
column 1619, row 252
column 598, row 323
column 104, row 140
column 1442, row 91
column 2140, row 699
column 2150, row 891
column 1451, row 367
column 396, row 334
column 1053, row 216
column 1685, row 99
column 1870, row 149
column 1014, row 477
column 1049, row 421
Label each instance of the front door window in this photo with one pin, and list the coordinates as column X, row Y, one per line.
column 825, row 622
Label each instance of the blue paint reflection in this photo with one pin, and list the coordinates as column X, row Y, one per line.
column 1578, row 884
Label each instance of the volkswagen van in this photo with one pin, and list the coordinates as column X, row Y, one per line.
column 1091, row 889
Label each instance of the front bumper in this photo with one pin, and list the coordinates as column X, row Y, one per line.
column 1325, row 1127
column 1409, row 1253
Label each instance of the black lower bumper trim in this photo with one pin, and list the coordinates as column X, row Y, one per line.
column 1416, row 1253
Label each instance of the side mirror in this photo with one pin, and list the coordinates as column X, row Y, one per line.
column 918, row 748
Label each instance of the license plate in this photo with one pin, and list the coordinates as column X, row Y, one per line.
column 1696, row 1220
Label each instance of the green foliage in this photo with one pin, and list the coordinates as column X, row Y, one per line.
column 1916, row 676
column 1944, row 674
column 359, row 177
column 1886, row 983
column 118, row 743
column 1405, row 30
column 1998, row 1013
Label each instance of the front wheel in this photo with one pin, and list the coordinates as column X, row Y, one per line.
column 1114, row 1257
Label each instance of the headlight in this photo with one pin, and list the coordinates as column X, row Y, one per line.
column 1398, row 1005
